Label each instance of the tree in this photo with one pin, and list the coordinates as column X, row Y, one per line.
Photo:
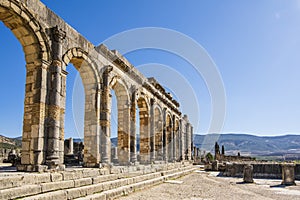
column 209, row 157
column 223, row 150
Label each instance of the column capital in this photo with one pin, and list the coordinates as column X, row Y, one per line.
column 58, row 34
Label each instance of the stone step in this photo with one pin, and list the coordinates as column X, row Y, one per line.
column 111, row 188
column 127, row 189
column 19, row 179
column 75, row 183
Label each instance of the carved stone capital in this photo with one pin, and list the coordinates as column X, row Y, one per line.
column 108, row 69
column 58, row 34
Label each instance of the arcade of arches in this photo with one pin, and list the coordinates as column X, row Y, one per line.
column 49, row 45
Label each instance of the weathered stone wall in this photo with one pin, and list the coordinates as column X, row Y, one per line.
column 49, row 45
column 260, row 170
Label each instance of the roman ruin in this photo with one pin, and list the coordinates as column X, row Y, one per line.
column 49, row 45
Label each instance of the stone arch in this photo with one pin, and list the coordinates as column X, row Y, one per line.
column 144, row 112
column 158, row 132
column 91, row 82
column 36, row 49
column 123, row 107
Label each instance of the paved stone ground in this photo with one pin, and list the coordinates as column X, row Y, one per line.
column 202, row 185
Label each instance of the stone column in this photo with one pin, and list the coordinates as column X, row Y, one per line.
column 115, row 155
column 69, row 150
column 192, row 137
column 248, row 174
column 174, row 140
column 170, row 140
column 181, row 140
column 189, row 142
column 92, row 145
column 195, row 153
column 152, row 131
column 165, row 150
column 124, row 133
column 34, row 128
column 215, row 165
column 105, row 118
column 288, row 174
column 144, row 137
column 53, row 159
column 133, row 156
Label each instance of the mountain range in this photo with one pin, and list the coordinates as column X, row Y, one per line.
column 251, row 145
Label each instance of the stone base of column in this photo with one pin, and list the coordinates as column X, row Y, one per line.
column 39, row 168
column 288, row 174
column 248, row 174
column 32, row 168
column 215, row 165
column 91, row 165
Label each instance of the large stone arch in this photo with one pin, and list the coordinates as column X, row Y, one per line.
column 144, row 114
column 158, row 131
column 123, row 107
column 36, row 49
column 91, row 82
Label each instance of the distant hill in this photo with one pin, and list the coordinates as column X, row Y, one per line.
column 10, row 143
column 251, row 144
column 246, row 144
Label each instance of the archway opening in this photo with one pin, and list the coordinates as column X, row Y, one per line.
column 12, row 87
column 120, row 100
column 73, row 133
column 82, row 113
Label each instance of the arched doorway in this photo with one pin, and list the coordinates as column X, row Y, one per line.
column 123, row 122
column 91, row 83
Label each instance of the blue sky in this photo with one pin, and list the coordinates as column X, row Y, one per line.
column 255, row 45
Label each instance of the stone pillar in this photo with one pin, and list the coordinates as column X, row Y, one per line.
column 152, row 131
column 189, row 142
column 215, row 165
column 105, row 117
column 192, row 138
column 69, row 148
column 170, row 141
column 124, row 133
column 144, row 137
column 115, row 154
column 55, row 110
column 195, row 153
column 173, row 142
column 158, row 139
column 165, row 150
column 248, row 174
column 288, row 174
column 133, row 156
column 182, row 141
column 34, row 128
column 92, row 145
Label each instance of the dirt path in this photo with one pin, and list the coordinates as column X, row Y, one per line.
column 206, row 186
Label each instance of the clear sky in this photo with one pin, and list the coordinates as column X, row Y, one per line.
column 254, row 44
